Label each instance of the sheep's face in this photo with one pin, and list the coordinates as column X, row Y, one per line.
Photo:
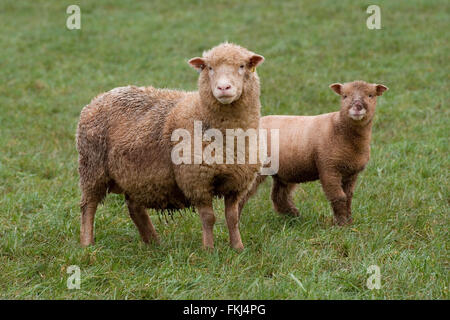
column 358, row 99
column 224, row 69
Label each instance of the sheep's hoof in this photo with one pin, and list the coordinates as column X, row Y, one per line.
column 238, row 247
column 208, row 248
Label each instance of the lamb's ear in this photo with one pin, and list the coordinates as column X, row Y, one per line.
column 336, row 87
column 380, row 89
column 255, row 60
column 197, row 63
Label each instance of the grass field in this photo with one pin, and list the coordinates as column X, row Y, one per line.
column 401, row 205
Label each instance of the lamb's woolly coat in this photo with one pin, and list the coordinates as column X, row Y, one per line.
column 331, row 147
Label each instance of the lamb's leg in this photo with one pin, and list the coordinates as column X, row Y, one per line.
column 282, row 197
column 349, row 186
column 232, row 217
column 142, row 221
column 259, row 179
column 88, row 209
column 332, row 186
column 206, row 213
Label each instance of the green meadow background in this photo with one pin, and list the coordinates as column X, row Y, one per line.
column 401, row 205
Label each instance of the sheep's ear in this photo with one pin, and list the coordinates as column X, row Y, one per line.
column 380, row 89
column 336, row 87
column 255, row 60
column 197, row 63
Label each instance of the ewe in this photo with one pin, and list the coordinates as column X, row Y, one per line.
column 124, row 145
column 332, row 147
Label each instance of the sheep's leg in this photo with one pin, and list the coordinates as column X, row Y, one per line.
column 349, row 186
column 142, row 221
column 206, row 213
column 282, row 198
column 232, row 217
column 93, row 190
column 332, row 186
column 88, row 210
column 259, row 179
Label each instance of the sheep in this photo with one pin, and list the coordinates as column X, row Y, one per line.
column 333, row 148
column 124, row 142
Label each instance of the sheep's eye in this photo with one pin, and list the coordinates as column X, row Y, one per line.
column 370, row 95
column 345, row 96
column 210, row 68
column 241, row 66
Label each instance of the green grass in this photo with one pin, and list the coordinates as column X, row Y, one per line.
column 401, row 204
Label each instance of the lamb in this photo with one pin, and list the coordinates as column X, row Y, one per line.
column 124, row 141
column 332, row 147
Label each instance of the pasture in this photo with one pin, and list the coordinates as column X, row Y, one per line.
column 401, row 203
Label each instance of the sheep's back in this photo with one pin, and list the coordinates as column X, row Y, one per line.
column 130, row 120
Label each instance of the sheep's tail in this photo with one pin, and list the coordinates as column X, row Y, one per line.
column 91, row 142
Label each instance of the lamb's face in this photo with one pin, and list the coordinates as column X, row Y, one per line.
column 358, row 99
column 224, row 69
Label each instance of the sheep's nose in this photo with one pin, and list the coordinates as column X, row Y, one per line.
column 224, row 87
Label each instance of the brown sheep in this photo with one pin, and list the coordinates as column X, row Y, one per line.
column 124, row 144
column 332, row 147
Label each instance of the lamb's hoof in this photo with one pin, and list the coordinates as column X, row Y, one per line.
column 343, row 221
column 292, row 212
column 153, row 241
column 86, row 243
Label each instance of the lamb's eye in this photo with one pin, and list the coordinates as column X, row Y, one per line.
column 345, row 96
column 210, row 68
column 370, row 95
column 241, row 66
